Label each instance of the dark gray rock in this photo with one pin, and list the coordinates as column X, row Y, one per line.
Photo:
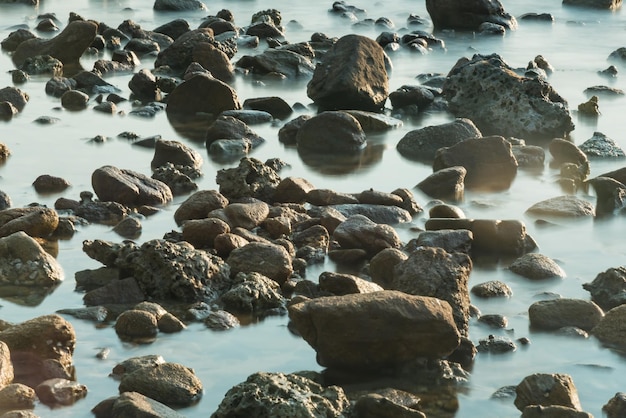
column 15, row 96
column 143, row 84
column 608, row 289
column 595, row 4
column 190, row 97
column 360, row 232
column 54, row 392
column 179, row 5
column 547, row 389
column 128, row 187
column 536, row 267
column 251, row 178
column 463, row 15
column 280, row 62
column 331, row 131
column 253, row 293
column 601, row 146
column 610, row 195
column 616, row 406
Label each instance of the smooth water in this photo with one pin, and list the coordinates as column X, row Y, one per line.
column 577, row 44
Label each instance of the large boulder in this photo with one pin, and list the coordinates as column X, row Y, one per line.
column 128, row 187
column 486, row 90
column 468, row 15
column 329, row 132
column 201, row 93
column 352, row 75
column 353, row 332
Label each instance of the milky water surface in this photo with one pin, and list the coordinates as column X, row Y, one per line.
column 577, row 44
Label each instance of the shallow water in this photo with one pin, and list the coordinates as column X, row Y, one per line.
column 577, row 44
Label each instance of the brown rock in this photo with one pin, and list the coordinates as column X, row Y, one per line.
column 201, row 233
column 128, row 187
column 191, row 96
column 547, row 389
column 34, row 221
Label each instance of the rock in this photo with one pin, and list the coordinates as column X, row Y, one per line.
column 214, row 60
column 20, row 413
column 17, row 396
column 129, row 227
column 489, row 162
column 201, row 233
column 610, row 195
column 420, row 96
column 390, row 215
column 273, row 105
column 92, row 313
column 221, row 320
column 562, row 207
column 487, row 91
column 358, row 231
column 590, row 107
column 608, row 289
column 279, row 62
column 23, row 262
column 564, row 151
column 175, row 152
column 452, row 241
column 199, row 204
column 35, row 221
column 179, row 55
column 249, row 117
column 455, row 14
column 7, row 111
column 329, row 325
column 326, row 197
column 553, row 411
column 374, row 405
column 292, row 190
column 253, row 293
column 270, row 260
column 174, row 29
column 536, row 267
column 179, row 5
column 6, row 371
column 560, row 313
column 16, row 37
column 529, row 156
column 135, row 363
column 225, row 243
column 616, row 406
column 227, row 127
column 494, row 288
column 60, row 392
column 272, row 394
column 496, row 345
column 67, row 47
column 601, row 146
column 436, row 273
column 595, row 4
column 189, row 97
column 42, row 65
column 118, row 291
column 351, row 75
column 74, row 100
column 331, row 131
column 128, row 187
column 443, row 210
column 382, row 264
column 546, row 390
column 5, row 200
column 288, row 133
column 15, row 96
column 374, row 122
column 133, row 404
column 422, row 144
column 446, row 184
column 135, row 325
column 143, row 85
column 344, row 284
column 251, row 178
column 169, row 383
column 611, row 330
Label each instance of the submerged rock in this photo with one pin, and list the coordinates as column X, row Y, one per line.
column 560, row 313
column 536, row 267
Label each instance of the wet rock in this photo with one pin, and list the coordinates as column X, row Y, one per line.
column 546, row 390
column 91, row 313
column 189, row 97
column 60, row 392
column 553, row 411
column 133, row 404
column 11, row 42
column 611, row 330
column 601, row 146
column 42, row 65
column 610, row 195
column 536, row 267
column 15, row 96
column 374, row 122
column 452, row 241
column 17, row 396
column 292, row 190
column 447, row 184
column 273, row 105
column 344, row 284
column 225, row 243
column 128, row 187
column 136, row 325
column 68, row 46
column 559, row 313
column 135, row 363
column 23, row 262
column 419, row 96
column 507, row 104
column 253, row 293
column 143, row 85
column 422, row 144
column 496, row 345
column 329, row 325
column 595, row 4
column 174, row 29
column 251, row 178
column 201, row 233
column 436, row 273
column 288, row 133
column 590, row 107
column 169, row 383
column 331, row 131
column 374, row 405
column 74, row 100
column 229, row 128
column 179, row 55
column 221, row 320
column 34, row 221
column 529, row 156
column 178, row 5
column 564, row 151
column 443, row 210
column 381, row 214
column 214, row 60
column 249, row 117
column 490, row 289
column 455, row 14
column 270, row 260
column 118, row 291
column 489, row 162
column 7, row 111
column 92, row 83
column 6, row 370
column 175, row 152
column 351, row 75
column 269, row 394
column 382, row 264
column 199, row 204
column 5, row 200
column 562, row 206
column 327, row 197
column 129, row 227
column 280, row 62
column 20, row 413
column 493, row 320
column 358, row 231
column 179, row 178
column 608, row 289
column 616, row 406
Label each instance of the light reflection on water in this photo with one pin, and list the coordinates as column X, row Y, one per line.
column 577, row 44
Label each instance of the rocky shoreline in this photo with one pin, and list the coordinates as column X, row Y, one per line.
column 400, row 328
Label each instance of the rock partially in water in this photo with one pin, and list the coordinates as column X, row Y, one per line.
column 278, row 62
column 214, row 60
column 136, row 325
column 116, row 292
column 179, row 5
column 42, row 65
column 253, row 293
column 221, row 321
column 611, row 330
column 546, row 390
column 559, row 313
column 352, row 75
column 199, row 204
column 35, row 221
column 331, row 131
column 601, row 146
column 358, row 231
column 486, row 90
column 562, row 207
column 128, row 187
column 341, row 329
column 251, row 178
column 447, row 184
column 189, row 97
column 536, row 267
column 230, row 128
column 23, row 262
column 608, row 289
column 270, row 260
column 595, row 4
column 457, row 14
column 133, row 404
column 15, row 96
column 452, row 241
column 135, row 363
column 169, row 383
column 610, row 195
column 17, row 396
column 129, row 227
column 327, row 197
column 16, row 37
column 179, row 55
column 175, row 152
column 381, row 214
column 374, row 405
column 54, row 392
column 273, row 394
column 496, row 345
column 345, row 284
column 382, row 264
column 553, row 411
column 490, row 289
column 274, row 105
column 616, row 406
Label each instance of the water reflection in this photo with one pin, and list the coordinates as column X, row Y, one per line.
column 338, row 164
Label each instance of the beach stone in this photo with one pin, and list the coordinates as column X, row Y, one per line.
column 129, row 227
column 128, row 187
column 351, row 75
column 493, row 288
column 5, row 200
column 67, row 47
column 446, row 184
column 225, row 243
column 562, row 206
column 611, row 330
column 175, row 152
column 595, row 4
column 443, row 210
column 23, row 262
column 608, row 289
column 486, row 90
column 529, row 156
column 189, row 97
column 169, row 383
column 292, row 190
column 619, row 175
column 174, row 28
column 249, row 117
column 60, row 392
column 329, row 325
column 143, row 85
column 199, row 204
column 272, row 394
column 15, row 38
column 452, row 241
column 422, row 144
column 489, row 162
column 270, row 260
column 6, row 371
column 381, row 214
column 374, row 405
column 74, row 100
column 546, row 390
column 331, row 131
column 15, row 96
column 288, row 133
column 553, row 411
column 344, row 284
column 133, row 404
column 179, row 5
column 135, row 363
column 221, row 320
column 201, row 233
column 456, row 14
column 327, row 197
column 601, row 146
column 35, row 221
column 179, row 55
column 20, row 413
column 536, row 267
column 560, row 313
column 564, row 151
column 610, row 195
column 279, row 62
column 7, row 111
column 92, row 83
column 253, row 293
column 41, row 65
column 117, row 291
column 227, row 127
column 382, row 264
column 274, row 105
column 251, row 178
column 135, row 324
column 420, row 96
column 616, row 406
column 374, row 122
column 360, row 232
column 214, row 60
column 496, row 345
column 16, row 396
